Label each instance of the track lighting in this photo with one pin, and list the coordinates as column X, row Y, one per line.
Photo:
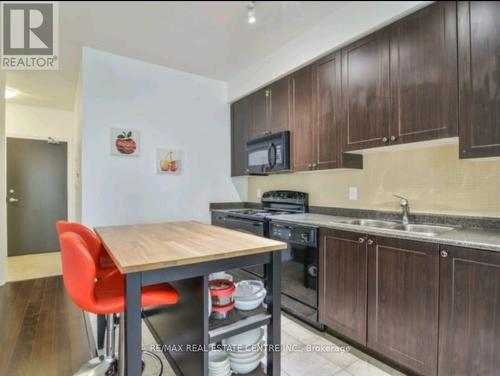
column 251, row 12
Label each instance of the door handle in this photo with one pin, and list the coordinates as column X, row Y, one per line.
column 12, row 199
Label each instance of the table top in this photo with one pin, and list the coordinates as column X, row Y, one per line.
column 143, row 247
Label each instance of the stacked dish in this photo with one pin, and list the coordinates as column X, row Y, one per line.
column 218, row 363
column 246, row 350
column 249, row 295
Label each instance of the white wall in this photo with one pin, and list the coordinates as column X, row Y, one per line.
column 3, row 188
column 41, row 123
column 171, row 109
column 351, row 21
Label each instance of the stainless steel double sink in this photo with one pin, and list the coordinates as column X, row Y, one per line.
column 429, row 230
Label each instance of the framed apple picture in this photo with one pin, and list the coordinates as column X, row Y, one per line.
column 168, row 161
column 125, row 142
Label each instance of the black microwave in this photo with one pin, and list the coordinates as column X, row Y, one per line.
column 269, row 154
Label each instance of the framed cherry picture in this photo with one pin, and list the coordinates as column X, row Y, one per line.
column 168, row 161
column 125, row 142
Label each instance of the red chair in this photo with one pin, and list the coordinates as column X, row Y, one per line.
column 105, row 267
column 105, row 296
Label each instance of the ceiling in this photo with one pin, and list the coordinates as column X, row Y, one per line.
column 209, row 38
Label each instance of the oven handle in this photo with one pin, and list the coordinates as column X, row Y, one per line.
column 242, row 223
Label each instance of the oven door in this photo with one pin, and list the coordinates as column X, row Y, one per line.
column 245, row 225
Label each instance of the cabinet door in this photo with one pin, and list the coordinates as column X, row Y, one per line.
column 342, row 287
column 366, row 92
column 279, row 106
column 469, row 314
column 302, row 120
column 424, row 75
column 328, row 111
column 403, row 280
column 241, row 123
column 259, row 113
column 479, row 78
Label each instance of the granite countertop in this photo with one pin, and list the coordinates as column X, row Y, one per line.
column 472, row 238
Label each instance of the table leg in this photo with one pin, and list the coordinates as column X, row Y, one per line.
column 132, row 325
column 273, row 281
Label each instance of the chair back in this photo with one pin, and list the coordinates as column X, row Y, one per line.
column 89, row 237
column 79, row 271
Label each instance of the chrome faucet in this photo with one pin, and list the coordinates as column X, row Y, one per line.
column 405, row 206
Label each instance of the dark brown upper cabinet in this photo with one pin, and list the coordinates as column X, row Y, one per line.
column 302, row 130
column 469, row 318
column 403, row 300
column 260, row 102
column 366, row 92
column 271, row 109
column 241, row 128
column 479, row 78
column 342, row 284
column 279, row 106
column 328, row 111
column 423, row 75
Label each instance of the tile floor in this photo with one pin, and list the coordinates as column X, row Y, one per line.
column 309, row 353
column 40, row 265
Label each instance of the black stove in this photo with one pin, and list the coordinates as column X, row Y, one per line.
column 274, row 203
column 299, row 260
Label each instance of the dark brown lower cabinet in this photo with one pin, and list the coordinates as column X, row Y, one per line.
column 342, row 287
column 469, row 325
column 403, row 299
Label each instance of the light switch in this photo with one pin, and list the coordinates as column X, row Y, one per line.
column 353, row 193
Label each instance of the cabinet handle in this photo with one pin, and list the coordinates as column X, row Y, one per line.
column 361, row 240
column 370, row 242
column 385, row 139
column 314, row 165
column 393, row 138
column 444, row 254
column 309, row 166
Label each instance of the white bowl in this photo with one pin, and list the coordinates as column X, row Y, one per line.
column 248, row 352
column 249, row 337
column 244, row 367
column 248, row 305
column 226, row 371
column 217, row 360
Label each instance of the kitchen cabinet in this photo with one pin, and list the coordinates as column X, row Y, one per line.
column 343, row 283
column 479, row 78
column 328, row 112
column 241, row 126
column 259, row 102
column 366, row 92
column 279, row 106
column 403, row 298
column 423, row 75
column 302, row 136
column 469, row 319
column 271, row 109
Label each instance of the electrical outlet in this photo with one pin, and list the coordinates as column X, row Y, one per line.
column 259, row 193
column 353, row 193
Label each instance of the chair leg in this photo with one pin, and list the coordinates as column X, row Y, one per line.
column 106, row 364
column 101, row 331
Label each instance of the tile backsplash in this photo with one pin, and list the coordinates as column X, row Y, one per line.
column 432, row 178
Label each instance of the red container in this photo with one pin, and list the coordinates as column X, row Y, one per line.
column 221, row 292
column 221, row 312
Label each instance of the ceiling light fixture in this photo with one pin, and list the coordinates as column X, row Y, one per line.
column 9, row 93
column 251, row 12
